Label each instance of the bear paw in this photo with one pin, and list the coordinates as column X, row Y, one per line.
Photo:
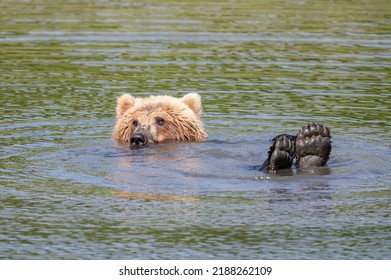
column 281, row 153
column 313, row 145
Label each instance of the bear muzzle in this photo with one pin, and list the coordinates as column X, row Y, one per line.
column 140, row 138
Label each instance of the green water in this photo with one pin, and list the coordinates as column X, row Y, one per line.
column 262, row 68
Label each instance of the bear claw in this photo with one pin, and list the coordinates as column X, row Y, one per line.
column 313, row 145
column 281, row 153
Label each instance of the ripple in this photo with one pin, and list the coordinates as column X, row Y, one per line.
column 68, row 192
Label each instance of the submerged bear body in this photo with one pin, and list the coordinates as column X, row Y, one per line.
column 155, row 119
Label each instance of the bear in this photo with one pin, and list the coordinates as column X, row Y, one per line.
column 158, row 118
column 310, row 148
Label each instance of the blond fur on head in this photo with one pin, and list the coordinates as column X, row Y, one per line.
column 193, row 100
column 124, row 102
column 164, row 117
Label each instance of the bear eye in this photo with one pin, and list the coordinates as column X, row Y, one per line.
column 135, row 122
column 160, row 121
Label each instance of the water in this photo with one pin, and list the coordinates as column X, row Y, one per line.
column 262, row 67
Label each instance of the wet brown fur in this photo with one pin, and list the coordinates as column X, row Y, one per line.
column 182, row 118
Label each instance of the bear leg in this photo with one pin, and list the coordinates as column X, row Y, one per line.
column 313, row 145
column 281, row 153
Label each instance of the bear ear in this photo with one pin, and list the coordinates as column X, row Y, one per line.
column 193, row 100
column 124, row 102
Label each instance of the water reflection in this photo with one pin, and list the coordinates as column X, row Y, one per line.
column 263, row 68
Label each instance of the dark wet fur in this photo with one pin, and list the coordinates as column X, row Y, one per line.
column 281, row 153
column 310, row 148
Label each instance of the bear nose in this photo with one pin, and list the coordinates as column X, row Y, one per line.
column 138, row 139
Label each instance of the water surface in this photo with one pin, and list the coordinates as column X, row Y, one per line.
column 262, row 68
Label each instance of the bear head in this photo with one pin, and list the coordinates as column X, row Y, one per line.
column 158, row 118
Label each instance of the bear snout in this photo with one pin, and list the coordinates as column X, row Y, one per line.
column 141, row 137
column 138, row 139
